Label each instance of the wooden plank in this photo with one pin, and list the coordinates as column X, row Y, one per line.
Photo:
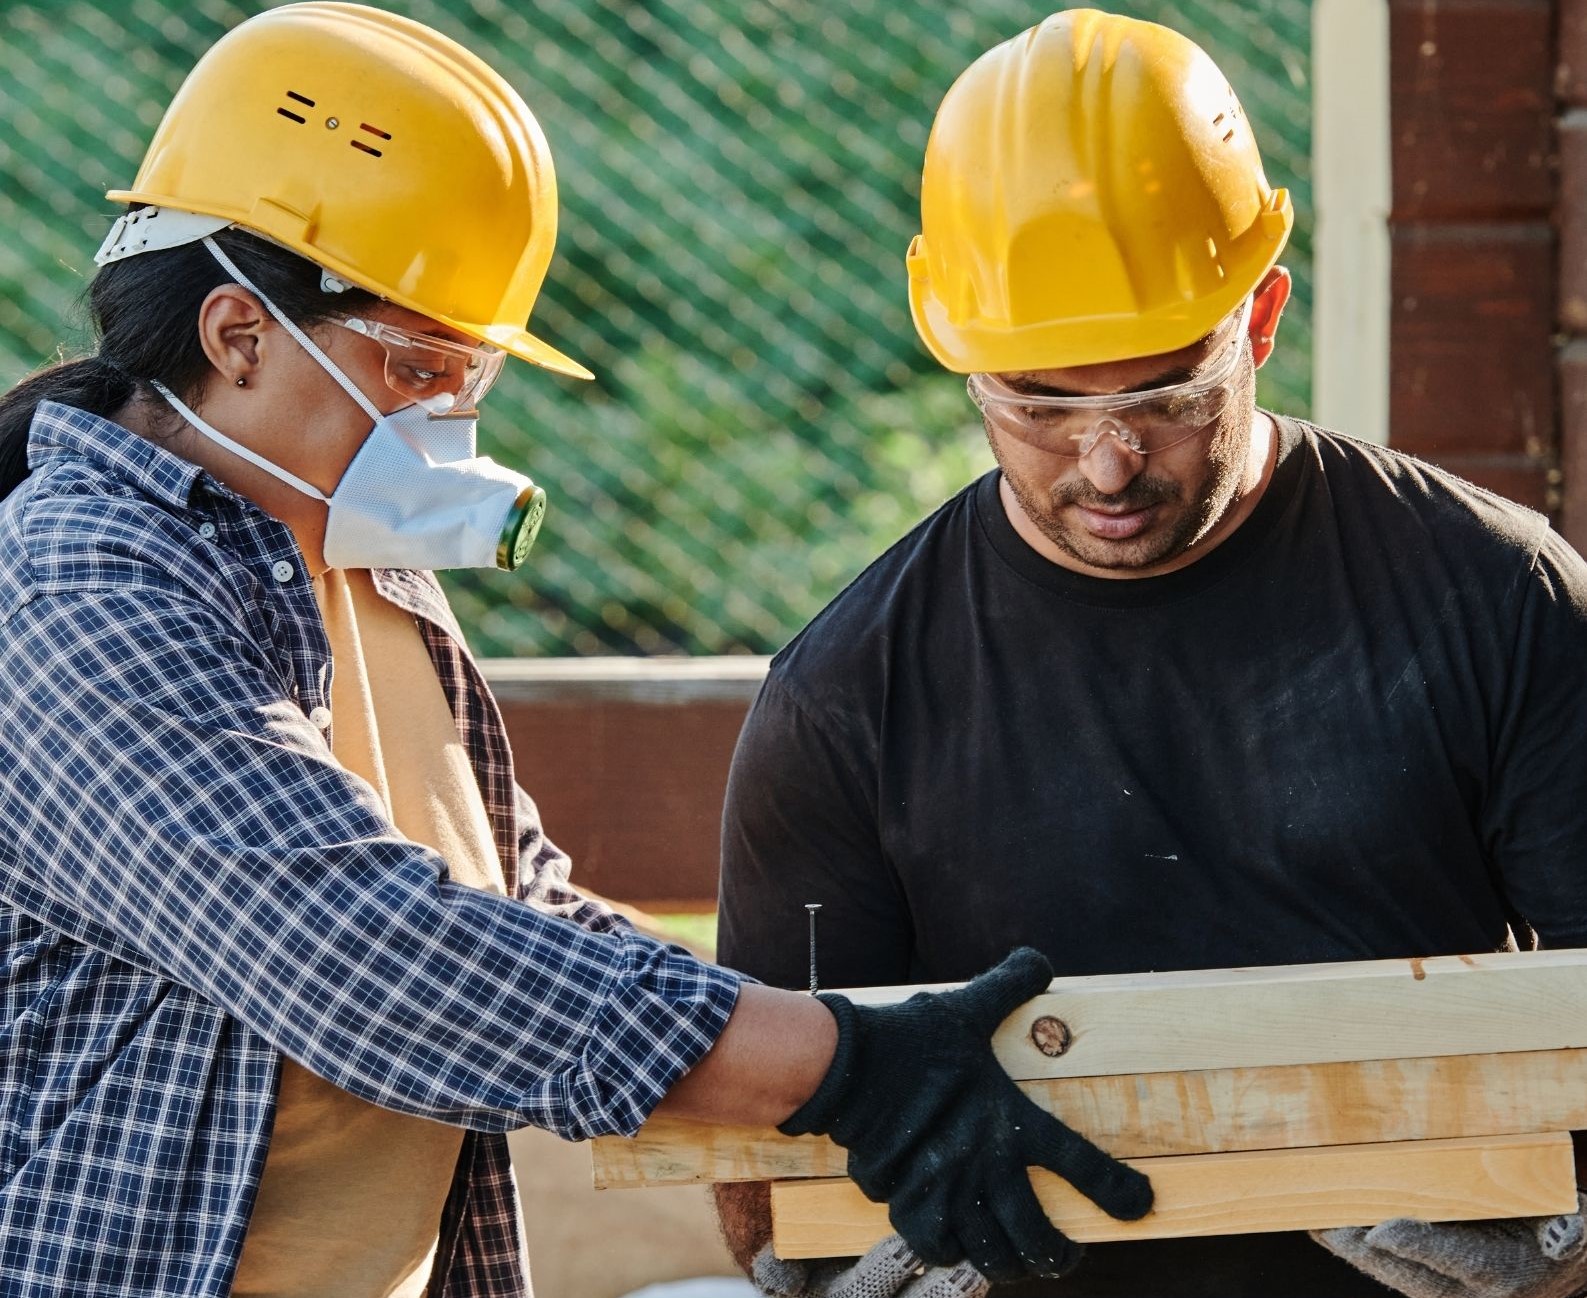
column 1236, row 1194
column 1297, row 1014
column 1352, row 193
column 655, row 682
column 1215, row 1111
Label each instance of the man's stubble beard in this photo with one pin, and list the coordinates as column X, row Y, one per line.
column 1199, row 505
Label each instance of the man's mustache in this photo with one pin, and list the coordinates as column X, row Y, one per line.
column 1140, row 494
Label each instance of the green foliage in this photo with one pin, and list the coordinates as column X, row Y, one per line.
column 739, row 181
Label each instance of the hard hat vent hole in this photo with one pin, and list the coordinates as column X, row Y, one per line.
column 297, row 98
column 369, row 148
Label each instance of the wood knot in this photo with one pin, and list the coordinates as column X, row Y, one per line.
column 1050, row 1035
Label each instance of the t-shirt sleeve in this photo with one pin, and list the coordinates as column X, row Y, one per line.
column 800, row 826
column 1534, row 819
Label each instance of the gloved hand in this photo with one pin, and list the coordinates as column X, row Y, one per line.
column 890, row 1270
column 939, row 1132
column 1528, row 1257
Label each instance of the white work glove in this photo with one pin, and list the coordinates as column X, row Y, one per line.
column 1527, row 1257
column 890, row 1270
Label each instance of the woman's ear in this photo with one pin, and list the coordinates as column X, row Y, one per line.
column 1267, row 305
column 230, row 321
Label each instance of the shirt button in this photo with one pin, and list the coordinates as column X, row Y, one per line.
column 321, row 718
column 207, row 531
column 282, row 571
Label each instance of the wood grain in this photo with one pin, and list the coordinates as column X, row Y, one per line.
column 1234, row 1194
column 1299, row 1014
column 1213, row 1111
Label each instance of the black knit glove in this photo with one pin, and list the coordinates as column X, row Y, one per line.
column 939, row 1132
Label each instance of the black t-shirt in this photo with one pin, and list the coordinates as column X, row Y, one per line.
column 1354, row 730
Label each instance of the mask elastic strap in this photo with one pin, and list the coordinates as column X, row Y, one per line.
column 307, row 343
column 237, row 448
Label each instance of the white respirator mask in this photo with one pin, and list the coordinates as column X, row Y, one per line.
column 416, row 495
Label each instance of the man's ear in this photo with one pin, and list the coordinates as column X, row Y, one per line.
column 1267, row 305
column 230, row 321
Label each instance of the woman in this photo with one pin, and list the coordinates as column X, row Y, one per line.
column 272, row 993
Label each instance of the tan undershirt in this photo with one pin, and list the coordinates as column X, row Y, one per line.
column 351, row 1197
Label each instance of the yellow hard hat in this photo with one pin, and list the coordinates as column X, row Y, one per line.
column 381, row 150
column 1092, row 192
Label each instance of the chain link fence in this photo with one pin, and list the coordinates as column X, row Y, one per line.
column 739, row 181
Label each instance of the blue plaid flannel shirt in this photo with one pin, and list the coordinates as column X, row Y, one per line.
column 190, row 884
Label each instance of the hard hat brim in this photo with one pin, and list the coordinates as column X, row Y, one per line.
column 524, row 345
column 512, row 339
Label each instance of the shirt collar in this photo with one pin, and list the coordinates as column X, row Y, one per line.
column 60, row 431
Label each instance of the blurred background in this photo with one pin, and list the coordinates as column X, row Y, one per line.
column 739, row 180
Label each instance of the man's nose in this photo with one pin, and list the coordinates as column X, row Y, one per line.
column 1111, row 463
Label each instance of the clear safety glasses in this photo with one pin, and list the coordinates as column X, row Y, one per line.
column 1146, row 421
column 448, row 379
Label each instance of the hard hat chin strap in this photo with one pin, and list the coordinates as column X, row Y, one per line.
column 291, row 326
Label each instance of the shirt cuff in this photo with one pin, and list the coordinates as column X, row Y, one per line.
column 667, row 1012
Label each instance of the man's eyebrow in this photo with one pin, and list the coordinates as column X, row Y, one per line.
column 1168, row 378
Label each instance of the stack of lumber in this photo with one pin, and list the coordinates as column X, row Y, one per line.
column 1281, row 1098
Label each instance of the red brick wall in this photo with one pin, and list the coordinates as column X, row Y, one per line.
column 1473, row 381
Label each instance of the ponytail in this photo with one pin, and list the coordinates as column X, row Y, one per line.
column 91, row 383
column 144, row 311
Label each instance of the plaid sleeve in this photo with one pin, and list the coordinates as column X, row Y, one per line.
column 165, row 788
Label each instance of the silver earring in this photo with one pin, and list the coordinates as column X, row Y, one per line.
column 242, row 383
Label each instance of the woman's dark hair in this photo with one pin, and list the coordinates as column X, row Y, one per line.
column 144, row 312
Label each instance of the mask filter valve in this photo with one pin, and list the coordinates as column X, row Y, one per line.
column 518, row 533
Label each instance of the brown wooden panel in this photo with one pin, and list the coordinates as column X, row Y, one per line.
column 1573, row 221
column 631, row 790
column 1570, row 82
column 1472, row 362
column 1472, row 107
column 1573, row 443
column 1533, row 483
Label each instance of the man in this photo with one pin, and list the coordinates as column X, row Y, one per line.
column 286, row 952
column 1182, row 683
